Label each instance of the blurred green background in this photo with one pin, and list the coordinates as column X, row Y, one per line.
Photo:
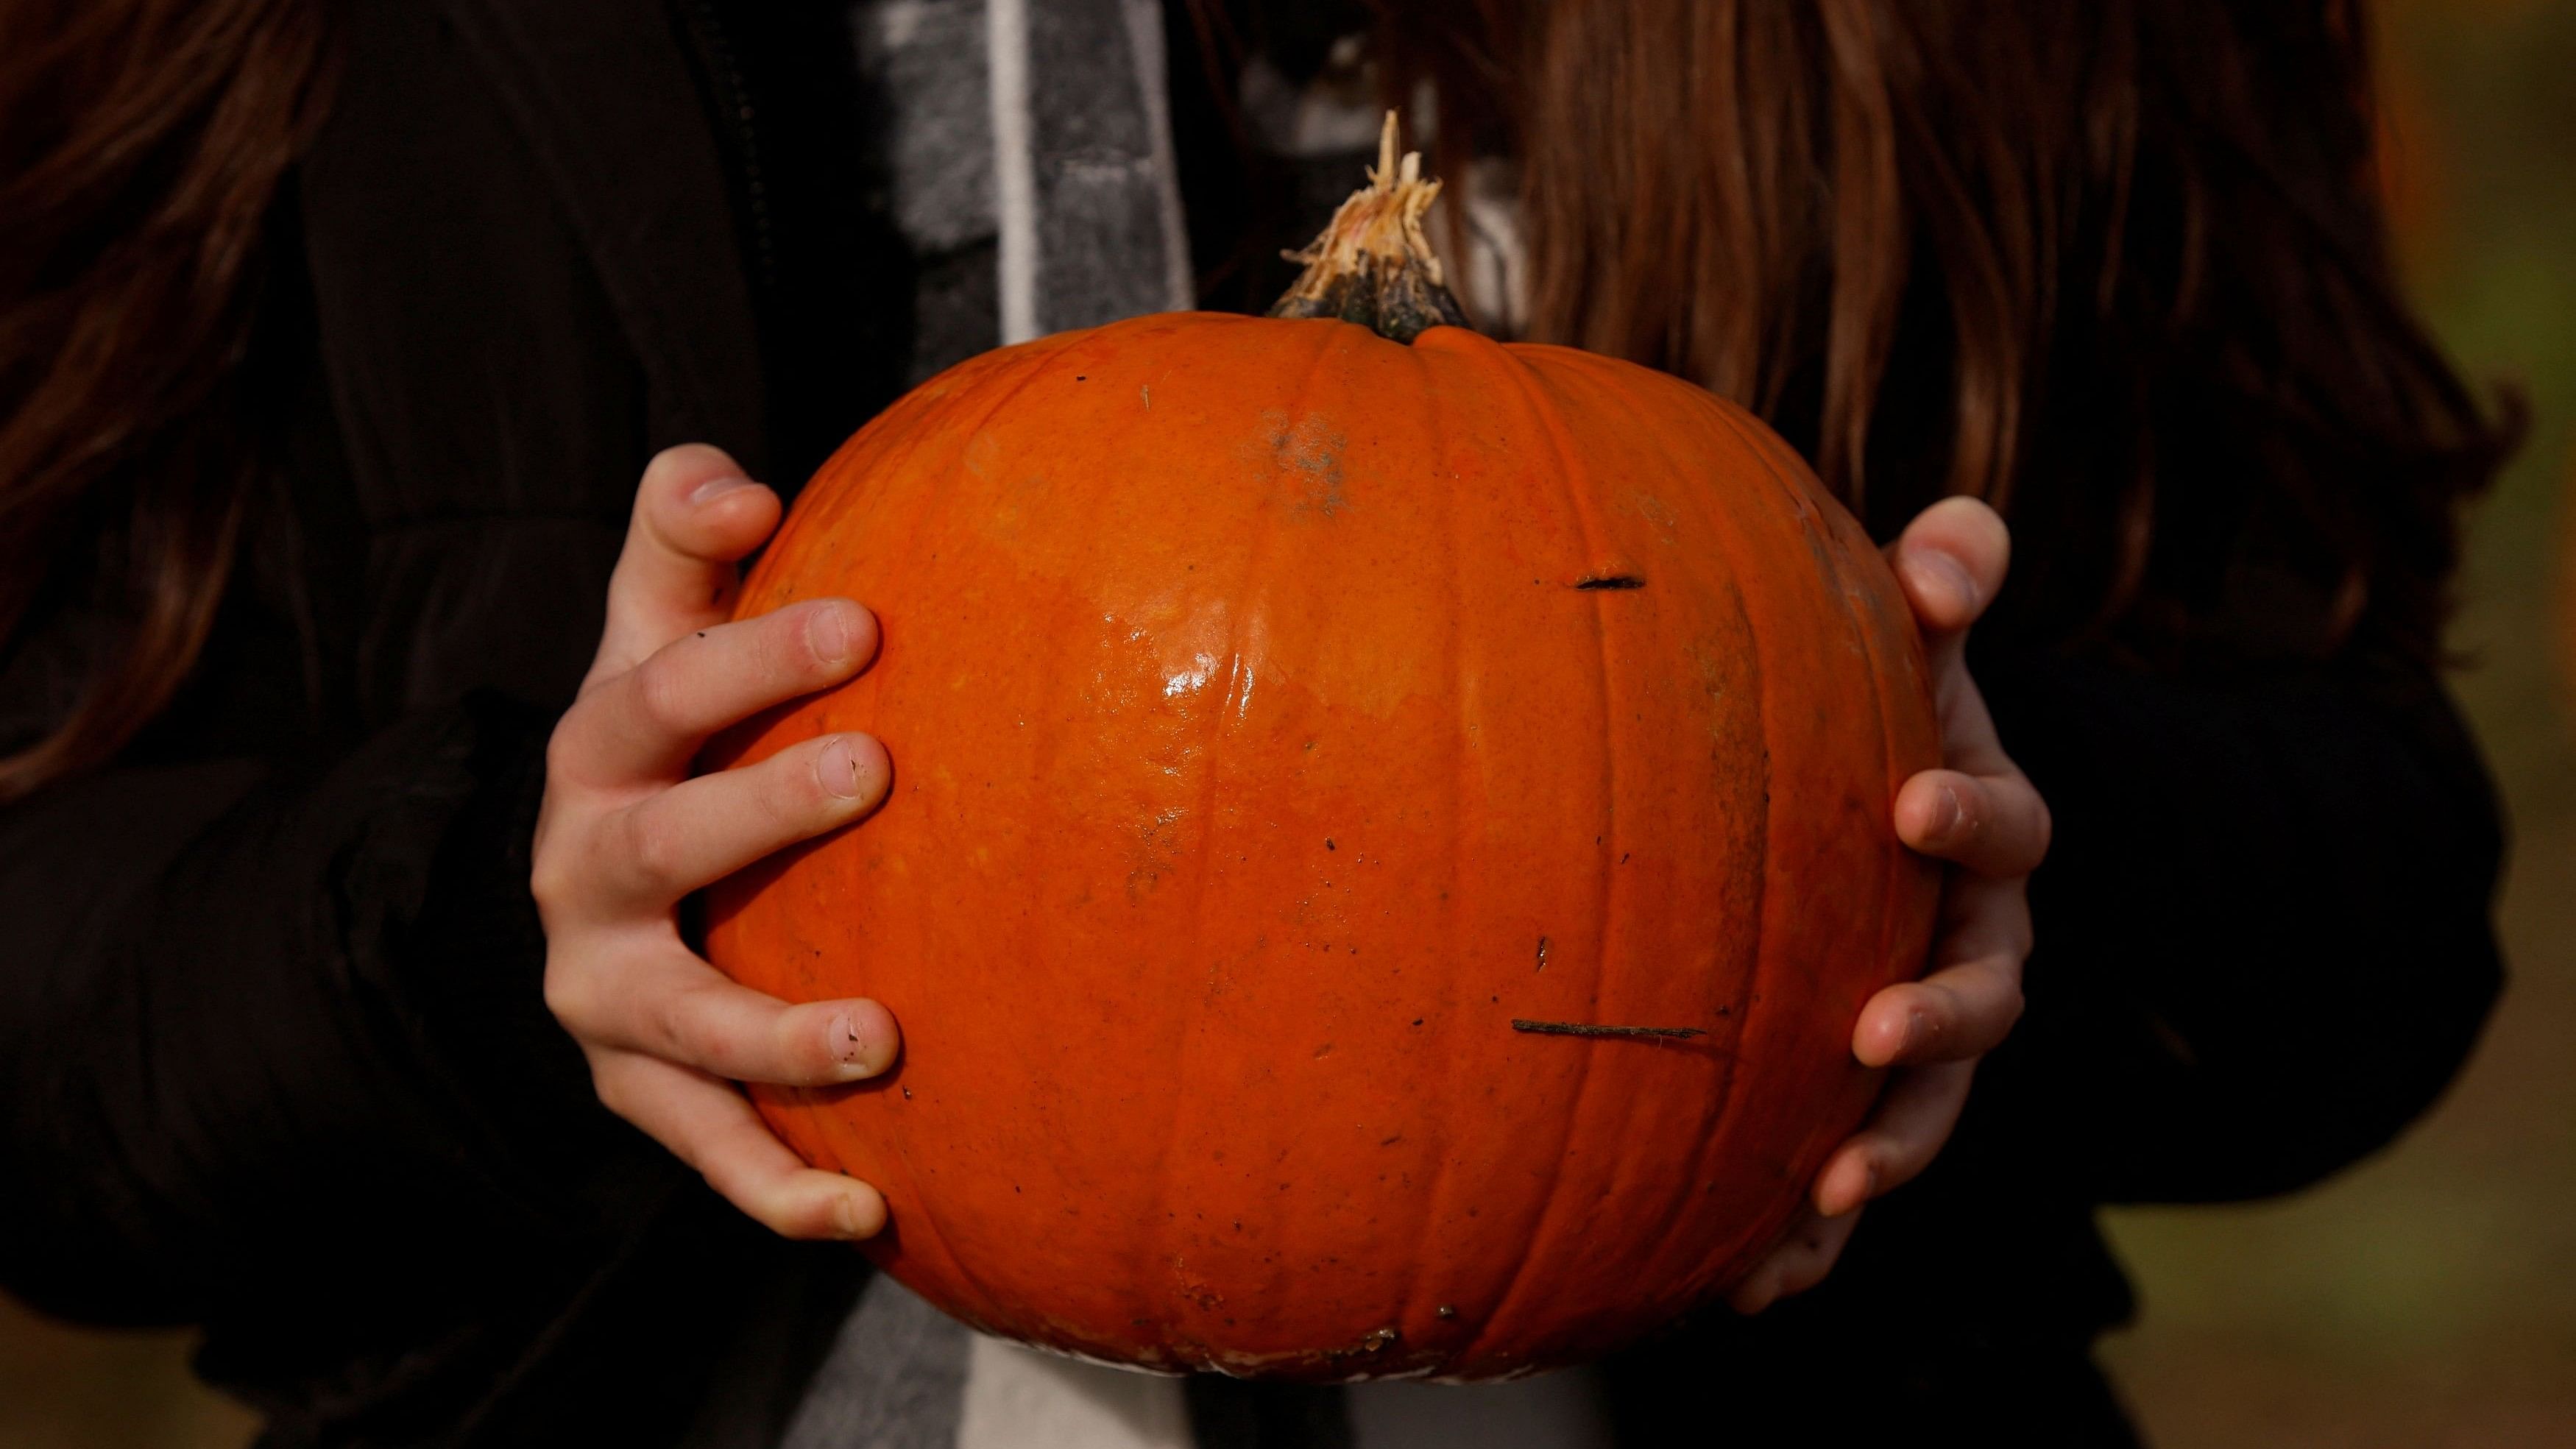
column 2426, row 1298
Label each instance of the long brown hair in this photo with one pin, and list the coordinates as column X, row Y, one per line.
column 2118, row 267
column 141, row 145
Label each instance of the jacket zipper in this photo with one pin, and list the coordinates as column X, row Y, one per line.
column 733, row 99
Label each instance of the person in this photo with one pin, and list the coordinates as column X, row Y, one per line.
column 351, row 676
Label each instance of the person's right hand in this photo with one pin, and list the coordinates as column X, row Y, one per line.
column 625, row 833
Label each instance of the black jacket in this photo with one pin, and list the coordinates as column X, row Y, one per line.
column 272, row 1053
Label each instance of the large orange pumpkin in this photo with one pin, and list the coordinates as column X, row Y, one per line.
column 1387, row 847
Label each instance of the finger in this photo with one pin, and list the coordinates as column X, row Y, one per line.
column 660, row 999
column 1951, row 561
column 709, row 1125
column 1901, row 1139
column 1799, row 1263
column 699, row 831
column 696, row 515
column 1994, row 825
column 647, row 723
column 1956, row 1014
column 1969, row 743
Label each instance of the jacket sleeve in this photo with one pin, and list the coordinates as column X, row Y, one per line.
column 2264, row 935
column 262, row 1017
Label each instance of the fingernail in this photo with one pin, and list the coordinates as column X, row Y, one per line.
column 1946, row 815
column 713, row 489
column 845, row 1040
column 1952, row 574
column 846, row 1215
column 839, row 767
column 828, row 634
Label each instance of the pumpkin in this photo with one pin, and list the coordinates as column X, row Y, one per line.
column 1388, row 839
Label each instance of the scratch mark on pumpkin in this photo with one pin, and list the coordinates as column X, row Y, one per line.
column 1586, row 1028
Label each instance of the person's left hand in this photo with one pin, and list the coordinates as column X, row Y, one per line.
column 1980, row 814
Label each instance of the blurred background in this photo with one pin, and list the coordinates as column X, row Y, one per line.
column 2426, row 1298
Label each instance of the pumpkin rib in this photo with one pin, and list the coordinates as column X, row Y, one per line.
column 1496, row 361
column 919, row 436
column 1433, row 417
column 1732, row 538
column 1567, row 387
column 1051, row 686
column 1793, row 520
column 1833, row 553
column 1042, row 353
column 1713, row 1115
column 1873, row 638
column 1421, row 409
column 1041, row 356
column 1807, row 518
column 1208, row 765
column 1795, row 513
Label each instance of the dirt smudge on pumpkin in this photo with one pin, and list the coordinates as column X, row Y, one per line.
column 1713, row 671
column 1308, row 452
column 1659, row 514
column 1158, row 850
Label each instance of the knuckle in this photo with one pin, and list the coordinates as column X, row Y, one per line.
column 780, row 1218
column 550, row 884
column 660, row 467
column 2009, row 1008
column 614, row 1088
column 567, row 996
column 661, row 697
column 1904, row 1163
column 656, row 851
column 561, row 747
column 2019, row 939
column 682, row 1024
column 764, row 1194
column 800, row 1216
column 785, row 648
column 667, row 1018
column 677, row 467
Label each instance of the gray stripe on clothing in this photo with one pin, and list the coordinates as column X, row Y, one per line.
column 1107, row 203
column 895, row 1378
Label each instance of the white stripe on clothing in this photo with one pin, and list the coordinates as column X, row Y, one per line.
column 1015, row 185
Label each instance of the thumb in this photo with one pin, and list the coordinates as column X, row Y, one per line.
column 696, row 516
column 1951, row 561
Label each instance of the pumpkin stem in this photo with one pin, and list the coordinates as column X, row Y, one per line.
column 1372, row 265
